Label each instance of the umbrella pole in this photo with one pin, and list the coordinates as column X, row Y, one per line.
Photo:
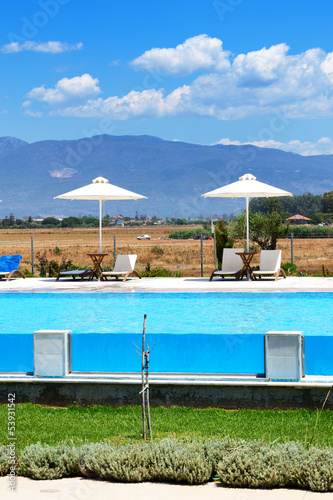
column 247, row 225
column 100, row 226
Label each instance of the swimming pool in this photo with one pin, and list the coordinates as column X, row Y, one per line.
column 193, row 332
column 208, row 313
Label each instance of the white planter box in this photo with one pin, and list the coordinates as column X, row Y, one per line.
column 284, row 355
column 52, row 357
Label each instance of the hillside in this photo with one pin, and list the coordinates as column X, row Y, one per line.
column 173, row 175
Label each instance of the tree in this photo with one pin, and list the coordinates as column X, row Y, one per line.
column 273, row 205
column 106, row 221
column 71, row 222
column 304, row 204
column 50, row 221
column 90, row 221
column 264, row 229
column 223, row 240
column 327, row 202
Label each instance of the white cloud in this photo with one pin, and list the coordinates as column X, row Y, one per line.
column 48, row 47
column 323, row 146
column 66, row 90
column 199, row 53
column 266, row 81
column 260, row 67
column 63, row 173
column 327, row 66
column 135, row 104
column 34, row 114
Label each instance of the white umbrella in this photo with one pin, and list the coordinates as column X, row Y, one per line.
column 100, row 190
column 247, row 187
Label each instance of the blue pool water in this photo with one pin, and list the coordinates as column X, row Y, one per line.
column 208, row 313
column 192, row 332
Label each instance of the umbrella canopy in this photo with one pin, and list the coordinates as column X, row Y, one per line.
column 246, row 187
column 100, row 189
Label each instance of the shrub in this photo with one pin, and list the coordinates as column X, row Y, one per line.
column 223, row 240
column 289, row 268
column 238, row 463
column 188, row 234
column 4, row 465
column 159, row 272
column 49, row 462
column 164, row 461
column 158, row 251
column 180, row 462
column 308, row 231
column 291, row 465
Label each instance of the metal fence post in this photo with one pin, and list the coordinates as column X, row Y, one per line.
column 292, row 247
column 201, row 245
column 114, row 248
column 32, row 255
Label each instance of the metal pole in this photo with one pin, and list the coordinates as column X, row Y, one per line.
column 100, row 226
column 247, row 225
column 215, row 252
column 292, row 247
column 32, row 255
column 114, row 248
column 201, row 245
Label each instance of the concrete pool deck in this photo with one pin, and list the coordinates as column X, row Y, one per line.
column 81, row 488
column 178, row 285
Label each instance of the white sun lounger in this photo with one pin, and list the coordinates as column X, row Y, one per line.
column 270, row 264
column 231, row 264
column 124, row 266
column 74, row 273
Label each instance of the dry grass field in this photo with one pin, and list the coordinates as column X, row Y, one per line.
column 181, row 256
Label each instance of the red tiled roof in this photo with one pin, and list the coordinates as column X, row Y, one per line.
column 298, row 217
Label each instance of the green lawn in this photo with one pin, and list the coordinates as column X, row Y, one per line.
column 119, row 425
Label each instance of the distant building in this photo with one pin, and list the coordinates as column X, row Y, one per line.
column 298, row 219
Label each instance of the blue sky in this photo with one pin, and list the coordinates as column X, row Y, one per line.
column 200, row 71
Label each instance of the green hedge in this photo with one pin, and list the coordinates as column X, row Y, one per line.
column 308, row 231
column 187, row 234
column 237, row 463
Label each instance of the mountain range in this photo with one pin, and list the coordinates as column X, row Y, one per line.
column 172, row 174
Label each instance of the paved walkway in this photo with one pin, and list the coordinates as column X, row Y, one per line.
column 85, row 489
column 290, row 284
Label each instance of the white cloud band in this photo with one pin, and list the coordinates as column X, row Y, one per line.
column 46, row 47
column 323, row 146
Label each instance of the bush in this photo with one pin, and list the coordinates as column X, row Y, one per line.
column 289, row 268
column 308, row 231
column 223, row 240
column 158, row 272
column 238, row 463
column 158, row 251
column 188, row 234
column 49, row 462
column 165, row 461
column 288, row 465
column 4, row 465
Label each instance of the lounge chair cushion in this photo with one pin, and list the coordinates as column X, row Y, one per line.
column 124, row 266
column 9, row 263
column 80, row 273
column 270, row 264
column 231, row 263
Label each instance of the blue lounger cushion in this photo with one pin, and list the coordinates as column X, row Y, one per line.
column 9, row 263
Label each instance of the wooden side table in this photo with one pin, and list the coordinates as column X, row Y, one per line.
column 97, row 264
column 246, row 259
